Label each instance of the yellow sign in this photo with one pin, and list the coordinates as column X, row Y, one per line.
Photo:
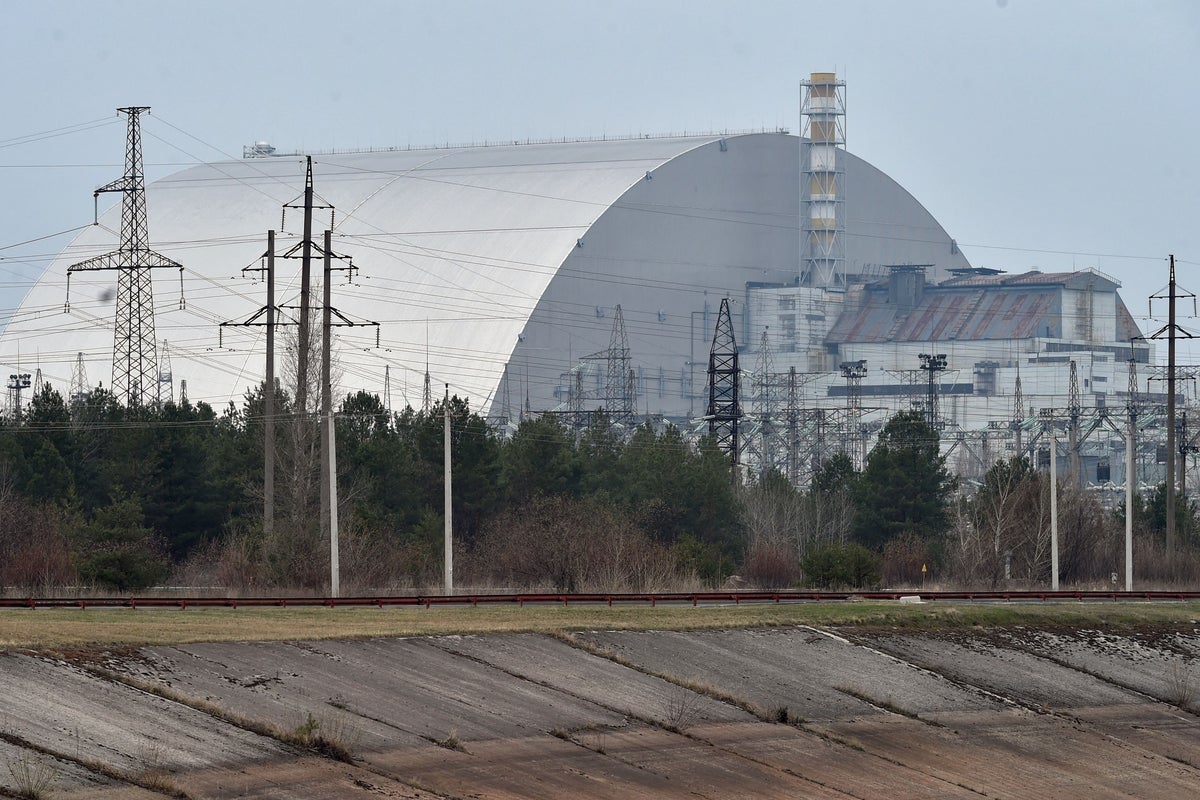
column 923, row 569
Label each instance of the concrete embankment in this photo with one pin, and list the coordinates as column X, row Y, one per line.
column 788, row 712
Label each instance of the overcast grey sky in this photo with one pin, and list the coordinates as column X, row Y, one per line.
column 1040, row 134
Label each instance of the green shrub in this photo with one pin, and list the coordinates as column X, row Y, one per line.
column 849, row 566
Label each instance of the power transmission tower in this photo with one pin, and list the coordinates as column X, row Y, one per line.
column 1018, row 412
column 38, row 385
column 79, row 391
column 387, row 392
column 166, row 380
column 135, row 366
column 764, row 368
column 793, row 428
column 724, row 378
column 618, row 397
column 1074, row 410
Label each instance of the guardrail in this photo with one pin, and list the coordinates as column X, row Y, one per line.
column 565, row 599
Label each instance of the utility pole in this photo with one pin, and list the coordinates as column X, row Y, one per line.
column 1130, row 470
column 1171, row 331
column 329, row 494
column 269, row 397
column 135, row 365
column 448, row 568
column 328, row 441
column 1018, row 411
column 305, row 296
column 269, row 426
column 1053, row 509
column 427, row 392
column 1074, row 411
column 1171, row 417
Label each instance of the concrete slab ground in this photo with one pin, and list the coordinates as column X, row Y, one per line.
column 815, row 675
column 871, row 714
column 550, row 661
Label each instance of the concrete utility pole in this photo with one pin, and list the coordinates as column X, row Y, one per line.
column 1130, row 467
column 1130, row 479
column 329, row 439
column 449, row 543
column 269, row 432
column 269, row 397
column 1171, row 417
column 1053, row 510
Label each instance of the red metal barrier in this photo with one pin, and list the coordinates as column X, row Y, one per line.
column 565, row 599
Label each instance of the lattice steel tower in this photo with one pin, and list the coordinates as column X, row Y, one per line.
column 823, row 259
column 618, row 392
column 135, row 363
column 767, row 406
column 724, row 379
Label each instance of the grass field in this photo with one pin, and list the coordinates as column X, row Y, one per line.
column 120, row 627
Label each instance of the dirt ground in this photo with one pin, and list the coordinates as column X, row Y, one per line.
column 800, row 711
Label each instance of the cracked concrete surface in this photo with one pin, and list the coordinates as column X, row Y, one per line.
column 792, row 712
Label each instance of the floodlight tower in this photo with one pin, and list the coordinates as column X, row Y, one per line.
column 854, row 372
column 16, row 384
column 933, row 363
column 135, row 363
column 823, row 106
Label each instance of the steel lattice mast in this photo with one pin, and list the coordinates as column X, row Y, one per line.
column 135, row 362
column 618, row 400
column 724, row 377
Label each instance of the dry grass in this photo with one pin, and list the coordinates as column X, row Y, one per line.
column 681, row 709
column 451, row 742
column 117, row 627
column 33, row 776
column 1182, row 687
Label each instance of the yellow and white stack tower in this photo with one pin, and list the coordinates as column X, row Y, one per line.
column 823, row 259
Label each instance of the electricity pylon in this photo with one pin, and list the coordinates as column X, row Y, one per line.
column 135, row 363
column 724, row 377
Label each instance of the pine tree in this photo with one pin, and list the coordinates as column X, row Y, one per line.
column 905, row 486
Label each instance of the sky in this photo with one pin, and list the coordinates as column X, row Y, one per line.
column 1055, row 135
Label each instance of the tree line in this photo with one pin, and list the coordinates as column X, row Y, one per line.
column 98, row 495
